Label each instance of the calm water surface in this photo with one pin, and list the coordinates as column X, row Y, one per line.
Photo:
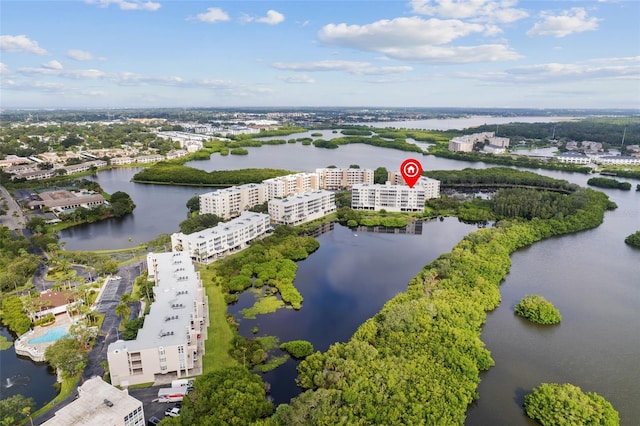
column 345, row 282
column 20, row 375
column 592, row 277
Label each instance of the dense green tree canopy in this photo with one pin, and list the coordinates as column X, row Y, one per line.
column 199, row 222
column 537, row 309
column 232, row 396
column 298, row 348
column 553, row 404
column 633, row 239
column 167, row 172
column 12, row 409
column 609, row 183
column 14, row 316
column 67, row 356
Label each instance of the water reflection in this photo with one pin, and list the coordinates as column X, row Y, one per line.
column 346, row 281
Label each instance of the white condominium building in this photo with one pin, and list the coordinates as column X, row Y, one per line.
column 393, row 198
column 99, row 403
column 223, row 239
column 334, row 178
column 430, row 186
column 297, row 183
column 172, row 338
column 230, row 202
column 465, row 143
column 302, row 208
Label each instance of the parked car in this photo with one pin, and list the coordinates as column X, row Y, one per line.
column 153, row 421
column 172, row 412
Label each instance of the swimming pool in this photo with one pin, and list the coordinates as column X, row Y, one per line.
column 52, row 335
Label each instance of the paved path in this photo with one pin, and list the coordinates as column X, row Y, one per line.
column 9, row 220
column 109, row 299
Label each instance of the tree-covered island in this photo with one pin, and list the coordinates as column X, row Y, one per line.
column 537, row 309
column 553, row 404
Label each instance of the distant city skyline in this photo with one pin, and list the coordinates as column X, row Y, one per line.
column 419, row 53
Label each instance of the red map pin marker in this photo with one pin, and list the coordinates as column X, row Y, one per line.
column 411, row 170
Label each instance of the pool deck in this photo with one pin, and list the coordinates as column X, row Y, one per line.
column 35, row 351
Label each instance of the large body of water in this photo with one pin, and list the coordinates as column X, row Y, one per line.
column 592, row 277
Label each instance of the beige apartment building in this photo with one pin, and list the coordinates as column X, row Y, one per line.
column 302, row 208
column 285, row 186
column 230, row 202
column 334, row 178
column 223, row 239
column 172, row 338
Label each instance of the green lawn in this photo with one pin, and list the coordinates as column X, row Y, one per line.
column 220, row 334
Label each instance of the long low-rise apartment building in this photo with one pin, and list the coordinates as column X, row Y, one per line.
column 174, row 331
column 393, row 198
column 302, row 208
column 395, row 195
column 230, row 202
column 223, row 239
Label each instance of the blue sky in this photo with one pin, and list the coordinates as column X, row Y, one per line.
column 420, row 53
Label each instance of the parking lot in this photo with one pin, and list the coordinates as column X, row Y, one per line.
column 146, row 396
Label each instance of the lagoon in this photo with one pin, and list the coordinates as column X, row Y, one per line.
column 592, row 277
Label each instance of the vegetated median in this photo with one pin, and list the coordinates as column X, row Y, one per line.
column 418, row 360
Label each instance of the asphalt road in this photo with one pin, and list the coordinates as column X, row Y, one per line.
column 147, row 395
column 109, row 333
column 9, row 220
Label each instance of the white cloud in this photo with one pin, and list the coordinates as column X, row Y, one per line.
column 273, row 18
column 413, row 31
column 4, row 69
column 297, row 79
column 454, row 54
column 417, row 39
column 53, row 65
column 127, row 4
column 213, row 15
column 602, row 68
column 352, row 67
column 478, row 10
column 570, row 21
column 79, row 55
column 20, row 43
column 134, row 79
column 50, row 69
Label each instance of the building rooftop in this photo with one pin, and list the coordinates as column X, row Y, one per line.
column 98, row 403
column 225, row 228
column 301, row 197
column 169, row 318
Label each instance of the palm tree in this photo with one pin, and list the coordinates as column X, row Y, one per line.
column 127, row 299
column 123, row 310
column 27, row 412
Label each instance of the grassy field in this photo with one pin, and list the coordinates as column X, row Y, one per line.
column 217, row 346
